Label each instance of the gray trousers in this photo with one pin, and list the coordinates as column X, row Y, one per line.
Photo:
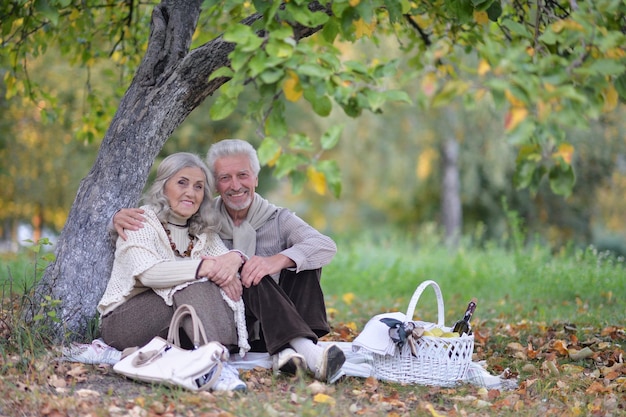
column 146, row 315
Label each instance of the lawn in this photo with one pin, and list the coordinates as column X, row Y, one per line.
column 555, row 320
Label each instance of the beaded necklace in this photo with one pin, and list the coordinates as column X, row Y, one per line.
column 187, row 253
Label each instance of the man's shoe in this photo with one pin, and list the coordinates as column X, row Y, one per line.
column 288, row 361
column 229, row 380
column 330, row 364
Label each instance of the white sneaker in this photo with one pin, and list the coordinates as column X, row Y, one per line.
column 288, row 361
column 96, row 352
column 229, row 380
column 329, row 367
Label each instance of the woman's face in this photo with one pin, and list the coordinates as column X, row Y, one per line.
column 185, row 191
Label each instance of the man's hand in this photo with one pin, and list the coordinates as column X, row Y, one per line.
column 258, row 267
column 128, row 219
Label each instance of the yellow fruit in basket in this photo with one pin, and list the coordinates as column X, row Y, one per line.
column 435, row 332
column 450, row 334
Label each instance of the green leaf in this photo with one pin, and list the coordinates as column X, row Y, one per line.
column 313, row 70
column 394, row 8
column 463, row 10
column 238, row 59
column 620, row 86
column 562, row 179
column 481, row 5
column 398, row 95
column 238, row 33
column 330, row 138
column 607, row 67
column 494, row 11
column 221, row 72
column 301, row 142
column 222, row 107
column 280, row 49
column 352, row 107
column 298, row 179
column 322, row 105
column 49, row 12
column 271, row 75
column 331, row 171
column 259, row 63
column 522, row 132
column 357, row 67
column 549, row 37
column 268, row 150
column 275, row 124
column 517, row 28
column 303, row 15
column 375, row 99
column 286, row 164
column 330, row 30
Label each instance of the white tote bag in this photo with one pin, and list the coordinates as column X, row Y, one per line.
column 164, row 361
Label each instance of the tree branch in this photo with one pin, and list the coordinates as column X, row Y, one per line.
column 171, row 29
column 417, row 27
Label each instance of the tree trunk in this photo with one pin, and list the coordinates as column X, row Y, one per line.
column 170, row 82
column 451, row 210
column 157, row 101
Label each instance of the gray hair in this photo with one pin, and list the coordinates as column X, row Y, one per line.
column 232, row 147
column 205, row 219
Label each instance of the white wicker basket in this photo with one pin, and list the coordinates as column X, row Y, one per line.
column 440, row 361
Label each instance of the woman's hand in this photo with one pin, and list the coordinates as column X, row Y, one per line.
column 233, row 289
column 221, row 269
column 128, row 219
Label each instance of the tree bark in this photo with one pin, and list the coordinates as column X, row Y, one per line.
column 148, row 113
column 451, row 208
column 170, row 82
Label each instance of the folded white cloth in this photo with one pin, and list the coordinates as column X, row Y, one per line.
column 375, row 335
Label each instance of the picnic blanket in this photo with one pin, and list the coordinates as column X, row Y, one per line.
column 358, row 363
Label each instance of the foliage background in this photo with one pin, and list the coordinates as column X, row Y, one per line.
column 53, row 120
column 389, row 162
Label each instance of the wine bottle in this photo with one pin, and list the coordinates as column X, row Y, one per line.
column 463, row 325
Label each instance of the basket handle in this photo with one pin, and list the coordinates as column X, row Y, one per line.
column 416, row 295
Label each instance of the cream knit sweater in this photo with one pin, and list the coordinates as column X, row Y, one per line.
column 146, row 261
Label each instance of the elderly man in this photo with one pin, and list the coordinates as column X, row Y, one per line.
column 281, row 276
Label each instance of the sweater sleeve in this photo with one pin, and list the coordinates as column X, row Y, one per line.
column 303, row 244
column 169, row 273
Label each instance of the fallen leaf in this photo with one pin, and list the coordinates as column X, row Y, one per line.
column 580, row 354
column 597, row 388
column 87, row 393
column 316, row 387
column 324, row 399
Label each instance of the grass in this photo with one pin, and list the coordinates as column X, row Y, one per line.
column 525, row 296
column 533, row 284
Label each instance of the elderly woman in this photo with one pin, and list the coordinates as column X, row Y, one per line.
column 176, row 258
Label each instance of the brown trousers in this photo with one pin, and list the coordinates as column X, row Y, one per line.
column 292, row 308
column 146, row 315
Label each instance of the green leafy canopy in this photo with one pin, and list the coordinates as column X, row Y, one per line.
column 545, row 66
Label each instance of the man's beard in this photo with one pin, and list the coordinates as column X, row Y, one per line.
column 239, row 206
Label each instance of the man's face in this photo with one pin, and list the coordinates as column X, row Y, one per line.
column 236, row 182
